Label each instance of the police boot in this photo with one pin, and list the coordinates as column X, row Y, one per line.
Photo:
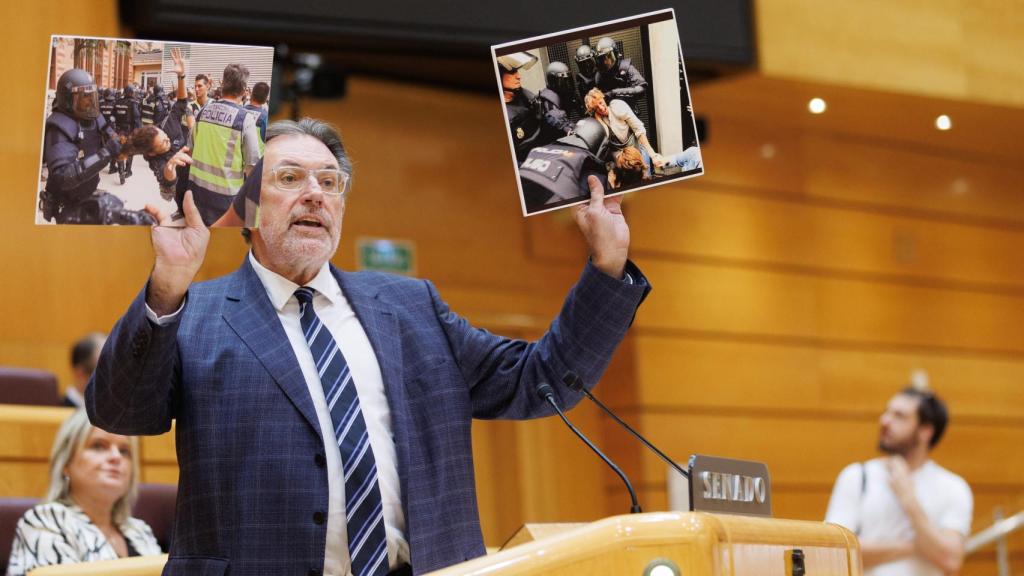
column 120, row 171
column 129, row 174
column 113, row 167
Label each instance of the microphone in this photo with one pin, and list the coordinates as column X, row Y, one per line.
column 573, row 381
column 545, row 391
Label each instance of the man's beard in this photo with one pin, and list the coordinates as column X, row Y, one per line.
column 898, row 448
column 299, row 251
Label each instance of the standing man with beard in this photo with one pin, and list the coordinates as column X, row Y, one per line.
column 910, row 514
column 323, row 417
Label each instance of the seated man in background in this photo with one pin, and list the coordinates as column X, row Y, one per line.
column 86, row 514
column 84, row 355
column 910, row 514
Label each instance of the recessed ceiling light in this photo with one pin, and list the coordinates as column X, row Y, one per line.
column 816, row 105
column 943, row 122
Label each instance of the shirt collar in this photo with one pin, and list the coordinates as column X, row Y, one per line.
column 74, row 396
column 281, row 289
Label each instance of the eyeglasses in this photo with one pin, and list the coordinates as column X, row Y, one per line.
column 331, row 182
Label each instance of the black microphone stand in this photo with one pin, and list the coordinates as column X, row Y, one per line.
column 545, row 391
column 573, row 381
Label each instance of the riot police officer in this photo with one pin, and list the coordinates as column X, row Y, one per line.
column 107, row 111
column 616, row 76
column 524, row 115
column 127, row 117
column 586, row 78
column 77, row 143
column 557, row 173
column 154, row 109
column 551, row 99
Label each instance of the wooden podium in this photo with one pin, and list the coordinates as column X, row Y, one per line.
column 653, row 544
column 675, row 543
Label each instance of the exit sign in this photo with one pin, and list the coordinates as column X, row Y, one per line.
column 387, row 255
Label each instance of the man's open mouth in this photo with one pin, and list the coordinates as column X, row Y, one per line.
column 309, row 222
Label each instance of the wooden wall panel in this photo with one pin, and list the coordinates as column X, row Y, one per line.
column 784, row 234
column 28, row 433
column 709, row 374
column 749, row 154
column 713, row 298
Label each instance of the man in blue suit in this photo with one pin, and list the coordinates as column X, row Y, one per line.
column 323, row 417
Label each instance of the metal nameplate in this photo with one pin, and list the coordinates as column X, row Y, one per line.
column 729, row 486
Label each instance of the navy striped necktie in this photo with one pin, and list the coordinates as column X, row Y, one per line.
column 367, row 539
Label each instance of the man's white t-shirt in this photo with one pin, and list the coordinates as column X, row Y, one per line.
column 863, row 502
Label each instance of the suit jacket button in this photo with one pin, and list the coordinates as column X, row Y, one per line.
column 313, row 572
column 320, row 460
column 318, row 517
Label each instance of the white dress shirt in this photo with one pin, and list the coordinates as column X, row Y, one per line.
column 338, row 317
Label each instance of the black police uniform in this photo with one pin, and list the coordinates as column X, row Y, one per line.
column 75, row 153
column 557, row 173
column 624, row 82
column 586, row 76
column 107, row 111
column 556, row 123
column 524, row 121
column 127, row 117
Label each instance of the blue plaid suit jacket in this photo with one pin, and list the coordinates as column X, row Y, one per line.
column 248, row 440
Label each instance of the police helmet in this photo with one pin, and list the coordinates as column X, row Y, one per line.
column 558, row 77
column 585, row 60
column 129, row 91
column 158, row 90
column 588, row 133
column 510, row 63
column 607, row 53
column 76, row 95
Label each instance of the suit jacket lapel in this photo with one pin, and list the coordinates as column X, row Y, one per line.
column 251, row 315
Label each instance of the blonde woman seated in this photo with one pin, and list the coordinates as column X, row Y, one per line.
column 623, row 126
column 85, row 517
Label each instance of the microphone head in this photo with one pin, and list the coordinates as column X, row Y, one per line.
column 573, row 381
column 545, row 391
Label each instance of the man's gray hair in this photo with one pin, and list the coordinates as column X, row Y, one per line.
column 318, row 129
column 234, row 80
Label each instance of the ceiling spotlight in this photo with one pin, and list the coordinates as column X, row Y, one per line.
column 943, row 122
column 816, row 106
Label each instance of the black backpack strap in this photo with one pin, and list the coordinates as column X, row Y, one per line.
column 863, row 491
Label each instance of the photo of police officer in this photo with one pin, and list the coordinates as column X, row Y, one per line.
column 609, row 100
column 112, row 100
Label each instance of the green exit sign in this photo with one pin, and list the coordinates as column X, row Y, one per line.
column 386, row 255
